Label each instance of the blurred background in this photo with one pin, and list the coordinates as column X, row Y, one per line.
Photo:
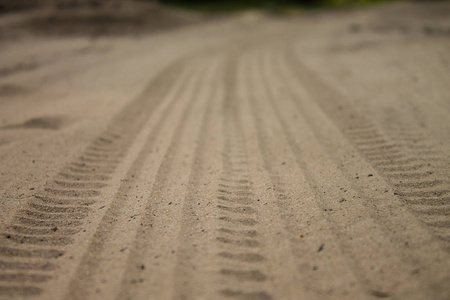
column 205, row 5
column 99, row 17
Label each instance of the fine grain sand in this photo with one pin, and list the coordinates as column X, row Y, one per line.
column 254, row 157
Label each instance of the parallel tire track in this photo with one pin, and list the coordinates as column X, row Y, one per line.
column 49, row 220
column 347, row 220
column 89, row 263
column 185, row 272
column 299, row 223
column 142, row 238
column 409, row 161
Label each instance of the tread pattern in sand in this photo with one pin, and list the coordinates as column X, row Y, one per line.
column 344, row 220
column 406, row 157
column 241, row 259
column 49, row 221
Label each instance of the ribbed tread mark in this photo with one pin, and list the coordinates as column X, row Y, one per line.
column 58, row 209
column 53, row 215
column 390, row 162
column 241, row 181
column 42, row 223
column 34, row 266
column 80, row 185
column 409, row 175
column 245, row 233
column 24, row 278
column 102, row 154
column 241, row 242
column 375, row 152
column 395, row 169
column 414, row 152
column 234, row 187
column 50, row 201
column 37, row 253
column 431, row 201
column 437, row 223
column 242, row 257
column 437, row 193
column 250, row 275
column 383, row 156
column 372, row 142
column 91, row 168
column 56, row 212
column 21, row 291
column 437, row 210
column 87, row 178
column 238, row 209
column 419, row 184
column 99, row 161
column 76, row 170
column 71, row 193
column 237, row 193
column 240, row 295
column 39, row 240
column 241, row 221
column 239, row 200
column 384, row 147
column 44, row 231
column 97, row 152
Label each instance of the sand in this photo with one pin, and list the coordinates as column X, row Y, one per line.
column 254, row 157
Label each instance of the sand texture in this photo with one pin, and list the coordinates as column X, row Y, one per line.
column 252, row 157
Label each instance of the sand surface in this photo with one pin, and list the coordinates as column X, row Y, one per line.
column 255, row 157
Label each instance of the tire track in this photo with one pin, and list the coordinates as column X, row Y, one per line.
column 87, row 272
column 48, row 221
column 302, row 220
column 134, row 276
column 350, row 222
column 378, row 205
column 242, row 263
column 188, row 280
column 407, row 163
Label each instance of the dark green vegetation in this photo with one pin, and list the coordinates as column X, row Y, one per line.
column 268, row 5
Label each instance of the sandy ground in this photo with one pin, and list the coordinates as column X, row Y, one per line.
column 250, row 158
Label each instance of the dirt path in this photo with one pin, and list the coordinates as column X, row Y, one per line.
column 253, row 158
